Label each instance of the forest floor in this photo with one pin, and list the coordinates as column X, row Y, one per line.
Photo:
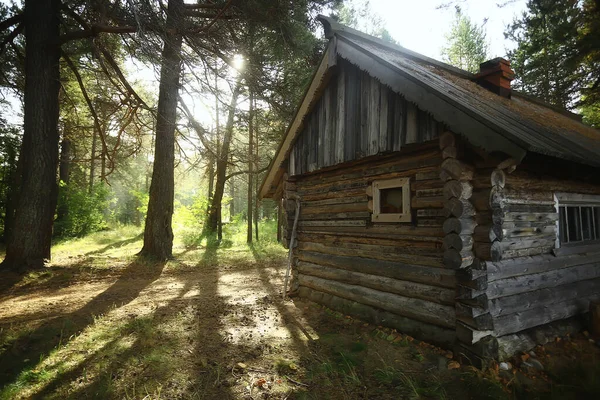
column 211, row 324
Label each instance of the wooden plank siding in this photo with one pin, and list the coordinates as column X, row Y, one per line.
column 357, row 117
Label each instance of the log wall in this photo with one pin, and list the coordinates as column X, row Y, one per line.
column 524, row 283
column 389, row 273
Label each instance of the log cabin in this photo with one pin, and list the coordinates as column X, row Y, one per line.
column 438, row 202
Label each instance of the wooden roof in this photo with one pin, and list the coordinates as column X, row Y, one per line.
column 497, row 124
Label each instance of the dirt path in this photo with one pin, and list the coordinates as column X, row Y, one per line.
column 216, row 330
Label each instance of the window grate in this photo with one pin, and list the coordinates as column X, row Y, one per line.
column 579, row 223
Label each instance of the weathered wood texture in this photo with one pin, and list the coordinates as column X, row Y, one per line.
column 392, row 269
column 527, row 286
column 357, row 117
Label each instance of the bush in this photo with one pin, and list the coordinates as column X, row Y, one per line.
column 83, row 212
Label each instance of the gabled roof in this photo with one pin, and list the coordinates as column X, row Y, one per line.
column 497, row 124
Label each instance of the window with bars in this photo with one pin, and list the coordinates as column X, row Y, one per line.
column 579, row 219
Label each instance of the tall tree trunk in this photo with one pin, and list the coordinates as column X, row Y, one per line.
column 158, row 233
column 64, row 174
column 250, row 164
column 93, row 161
column 214, row 217
column 211, row 180
column 232, row 195
column 256, row 188
column 30, row 241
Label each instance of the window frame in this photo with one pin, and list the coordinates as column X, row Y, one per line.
column 572, row 200
column 395, row 183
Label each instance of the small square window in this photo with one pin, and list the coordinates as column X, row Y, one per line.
column 391, row 200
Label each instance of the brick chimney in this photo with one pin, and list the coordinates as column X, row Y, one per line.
column 495, row 75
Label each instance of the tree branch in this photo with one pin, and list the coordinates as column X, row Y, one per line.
column 89, row 103
column 197, row 127
column 7, row 23
column 11, row 36
column 94, row 30
column 245, row 172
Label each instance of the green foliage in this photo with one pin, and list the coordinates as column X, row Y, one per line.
column 358, row 15
column 466, row 44
column 544, row 58
column 10, row 142
column 591, row 114
column 86, row 210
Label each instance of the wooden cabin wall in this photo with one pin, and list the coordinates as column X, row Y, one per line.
column 357, row 117
column 389, row 273
column 528, row 283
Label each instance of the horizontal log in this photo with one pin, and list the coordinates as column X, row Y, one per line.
column 463, row 226
column 377, row 252
column 500, row 198
column 431, row 212
column 543, row 297
column 428, row 332
column 310, row 209
column 520, row 321
column 397, row 270
column 405, row 245
column 521, row 179
column 459, row 189
column 525, row 232
column 527, row 208
column 399, row 167
column 425, row 176
column 335, row 202
column 500, row 217
column 391, row 229
column 550, row 279
column 537, row 264
column 365, row 215
column 342, row 222
column 384, row 284
column 437, row 192
column 420, row 310
column 506, row 249
column 427, row 202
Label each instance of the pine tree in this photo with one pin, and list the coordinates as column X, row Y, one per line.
column 544, row 59
column 466, row 44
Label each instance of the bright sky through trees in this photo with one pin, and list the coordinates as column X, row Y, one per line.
column 421, row 26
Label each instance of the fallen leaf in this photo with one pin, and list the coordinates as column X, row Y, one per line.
column 453, row 365
column 242, row 365
column 260, row 383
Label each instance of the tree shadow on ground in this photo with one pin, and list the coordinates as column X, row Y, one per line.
column 116, row 245
column 179, row 348
column 26, row 351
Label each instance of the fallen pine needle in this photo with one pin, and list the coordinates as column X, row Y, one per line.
column 295, row 382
